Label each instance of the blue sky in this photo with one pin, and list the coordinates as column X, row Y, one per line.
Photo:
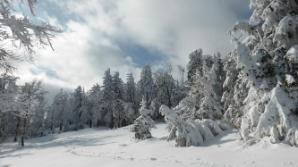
column 127, row 34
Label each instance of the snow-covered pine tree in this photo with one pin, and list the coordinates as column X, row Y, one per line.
column 117, row 86
column 131, row 99
column 210, row 86
column 108, row 97
column 131, row 91
column 165, row 87
column 203, row 101
column 59, row 111
column 267, row 59
column 95, row 98
column 77, row 101
column 143, row 123
column 146, row 85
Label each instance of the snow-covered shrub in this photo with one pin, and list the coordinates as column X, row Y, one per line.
column 191, row 132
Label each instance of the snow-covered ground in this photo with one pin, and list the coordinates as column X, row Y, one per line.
column 110, row 148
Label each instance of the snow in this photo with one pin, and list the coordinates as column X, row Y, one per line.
column 104, row 147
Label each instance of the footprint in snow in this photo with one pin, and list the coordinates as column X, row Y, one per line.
column 153, row 159
column 123, row 145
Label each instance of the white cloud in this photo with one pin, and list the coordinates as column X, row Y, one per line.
column 172, row 27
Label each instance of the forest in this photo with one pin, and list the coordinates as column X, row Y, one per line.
column 252, row 89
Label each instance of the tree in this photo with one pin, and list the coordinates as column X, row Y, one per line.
column 143, row 123
column 95, row 98
column 59, row 111
column 203, row 101
column 78, row 98
column 146, row 85
column 265, row 59
column 119, row 115
column 131, row 92
column 117, row 86
column 165, row 85
column 8, row 105
column 29, row 99
column 108, row 97
column 194, row 64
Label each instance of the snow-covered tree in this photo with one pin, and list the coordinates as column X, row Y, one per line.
column 165, row 87
column 266, row 55
column 194, row 64
column 8, row 105
column 131, row 91
column 119, row 115
column 117, row 86
column 30, row 98
column 59, row 111
column 146, row 85
column 108, row 97
column 95, row 99
column 143, row 123
column 203, row 101
column 77, row 109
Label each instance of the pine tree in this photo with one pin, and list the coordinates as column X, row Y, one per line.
column 58, row 111
column 146, row 85
column 77, row 107
column 143, row 123
column 95, row 98
column 117, row 86
column 264, row 58
column 131, row 91
column 108, row 97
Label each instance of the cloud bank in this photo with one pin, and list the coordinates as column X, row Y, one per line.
column 126, row 34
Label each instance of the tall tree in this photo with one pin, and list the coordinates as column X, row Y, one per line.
column 117, row 86
column 131, row 92
column 77, row 107
column 146, row 85
column 59, row 111
column 267, row 58
column 108, row 97
column 29, row 99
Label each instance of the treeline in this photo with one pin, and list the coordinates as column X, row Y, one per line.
column 25, row 112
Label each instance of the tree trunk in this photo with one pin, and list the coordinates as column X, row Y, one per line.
column 60, row 127
column 90, row 123
column 22, row 141
column 17, row 130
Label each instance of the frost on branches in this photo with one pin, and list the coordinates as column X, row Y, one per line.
column 18, row 29
column 266, row 53
column 191, row 132
column 143, row 123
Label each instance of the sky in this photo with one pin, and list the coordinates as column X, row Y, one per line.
column 125, row 35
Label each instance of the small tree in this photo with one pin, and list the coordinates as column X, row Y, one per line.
column 143, row 123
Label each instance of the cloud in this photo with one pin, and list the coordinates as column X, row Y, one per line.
column 125, row 34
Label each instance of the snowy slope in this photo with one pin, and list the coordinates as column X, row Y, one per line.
column 113, row 148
